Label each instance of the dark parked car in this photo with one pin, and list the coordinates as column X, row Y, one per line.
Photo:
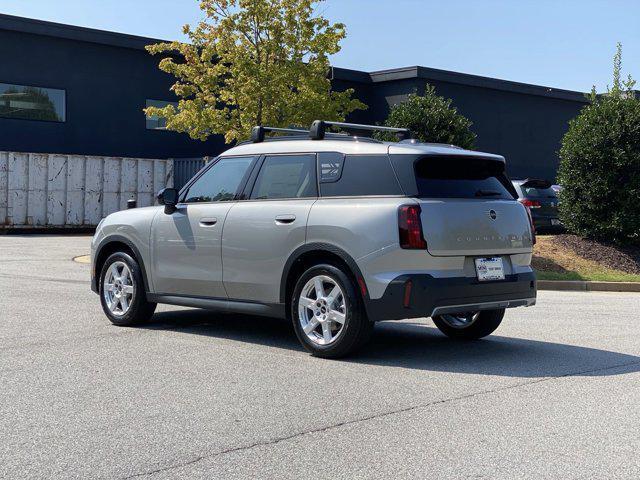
column 542, row 200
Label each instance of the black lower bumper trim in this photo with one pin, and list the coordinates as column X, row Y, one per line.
column 430, row 296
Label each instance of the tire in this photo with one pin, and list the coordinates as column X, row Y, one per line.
column 344, row 313
column 482, row 323
column 121, row 280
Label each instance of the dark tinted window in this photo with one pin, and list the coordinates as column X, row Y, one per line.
column 538, row 192
column 32, row 103
column 364, row 175
column 451, row 177
column 220, row 182
column 286, row 176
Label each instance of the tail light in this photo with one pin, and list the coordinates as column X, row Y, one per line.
column 533, row 227
column 530, row 203
column 410, row 227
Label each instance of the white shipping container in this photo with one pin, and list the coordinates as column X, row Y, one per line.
column 45, row 190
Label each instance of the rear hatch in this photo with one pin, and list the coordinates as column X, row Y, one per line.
column 469, row 208
column 543, row 197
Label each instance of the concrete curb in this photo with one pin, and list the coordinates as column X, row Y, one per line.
column 585, row 286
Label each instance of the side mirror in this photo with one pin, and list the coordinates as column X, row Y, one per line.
column 169, row 198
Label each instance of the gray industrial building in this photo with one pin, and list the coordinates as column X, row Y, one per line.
column 90, row 87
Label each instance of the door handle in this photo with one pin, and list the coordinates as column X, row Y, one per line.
column 208, row 221
column 285, row 219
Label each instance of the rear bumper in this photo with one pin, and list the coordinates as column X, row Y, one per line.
column 545, row 222
column 429, row 296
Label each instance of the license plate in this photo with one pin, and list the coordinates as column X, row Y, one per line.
column 556, row 222
column 489, row 269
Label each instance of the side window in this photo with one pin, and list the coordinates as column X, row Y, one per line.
column 364, row 175
column 286, row 176
column 220, row 182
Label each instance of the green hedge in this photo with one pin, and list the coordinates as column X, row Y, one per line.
column 600, row 166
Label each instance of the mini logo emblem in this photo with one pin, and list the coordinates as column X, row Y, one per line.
column 493, row 214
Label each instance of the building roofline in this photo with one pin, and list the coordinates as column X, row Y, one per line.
column 124, row 40
column 339, row 73
column 73, row 32
column 475, row 81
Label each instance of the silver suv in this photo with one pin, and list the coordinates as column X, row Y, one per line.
column 332, row 231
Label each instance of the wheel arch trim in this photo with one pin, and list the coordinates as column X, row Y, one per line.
column 105, row 242
column 321, row 247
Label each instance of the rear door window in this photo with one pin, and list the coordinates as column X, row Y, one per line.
column 451, row 177
column 286, row 176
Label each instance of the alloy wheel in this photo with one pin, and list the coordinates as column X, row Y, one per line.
column 118, row 288
column 322, row 310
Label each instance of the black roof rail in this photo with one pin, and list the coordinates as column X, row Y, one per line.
column 257, row 132
column 319, row 127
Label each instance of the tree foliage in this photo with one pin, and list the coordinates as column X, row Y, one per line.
column 431, row 118
column 600, row 165
column 252, row 62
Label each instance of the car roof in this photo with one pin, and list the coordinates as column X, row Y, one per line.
column 535, row 183
column 354, row 146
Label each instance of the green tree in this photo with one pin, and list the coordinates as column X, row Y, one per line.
column 252, row 62
column 600, row 164
column 431, row 118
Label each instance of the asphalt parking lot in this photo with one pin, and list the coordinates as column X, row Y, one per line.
column 555, row 393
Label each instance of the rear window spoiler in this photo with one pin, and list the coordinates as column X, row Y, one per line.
column 536, row 183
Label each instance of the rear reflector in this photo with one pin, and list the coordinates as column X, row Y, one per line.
column 407, row 293
column 410, row 227
column 363, row 286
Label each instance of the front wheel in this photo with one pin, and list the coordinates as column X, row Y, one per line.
column 328, row 314
column 469, row 325
column 122, row 292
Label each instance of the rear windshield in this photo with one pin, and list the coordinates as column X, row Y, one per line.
column 538, row 192
column 447, row 177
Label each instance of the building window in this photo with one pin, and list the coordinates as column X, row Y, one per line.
column 32, row 103
column 156, row 123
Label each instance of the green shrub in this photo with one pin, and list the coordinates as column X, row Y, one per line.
column 431, row 119
column 600, row 166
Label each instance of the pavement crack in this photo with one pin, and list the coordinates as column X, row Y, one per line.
column 376, row 416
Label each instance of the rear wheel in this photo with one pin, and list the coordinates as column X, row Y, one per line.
column 328, row 314
column 469, row 325
column 122, row 292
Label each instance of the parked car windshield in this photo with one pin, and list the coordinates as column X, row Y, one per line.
column 447, row 177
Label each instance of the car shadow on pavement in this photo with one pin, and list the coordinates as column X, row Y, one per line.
column 416, row 345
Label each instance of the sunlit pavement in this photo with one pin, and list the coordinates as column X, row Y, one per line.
column 555, row 393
